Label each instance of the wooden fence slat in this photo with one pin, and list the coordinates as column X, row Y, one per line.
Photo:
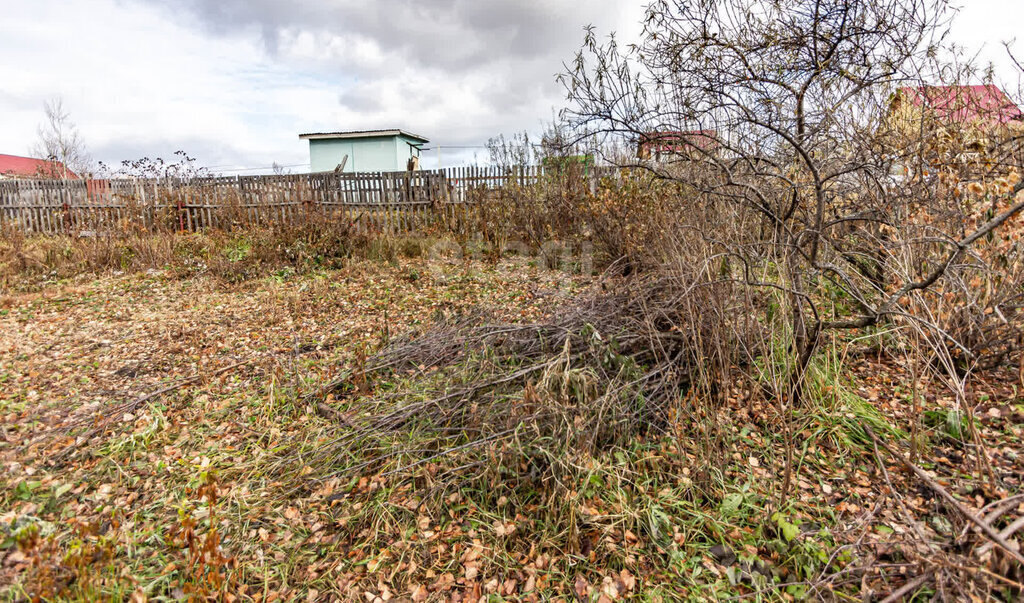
column 385, row 202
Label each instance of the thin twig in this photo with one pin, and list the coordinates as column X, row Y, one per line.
column 983, row 527
column 909, row 587
column 1006, row 532
column 996, row 509
column 899, row 500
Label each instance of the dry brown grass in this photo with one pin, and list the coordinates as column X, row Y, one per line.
column 318, row 243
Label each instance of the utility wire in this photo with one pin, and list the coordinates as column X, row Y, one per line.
column 228, row 168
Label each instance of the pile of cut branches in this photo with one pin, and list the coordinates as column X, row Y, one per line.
column 533, row 400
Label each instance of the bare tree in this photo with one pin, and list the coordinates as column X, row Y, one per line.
column 60, row 141
column 795, row 96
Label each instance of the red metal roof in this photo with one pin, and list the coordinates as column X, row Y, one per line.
column 679, row 141
column 28, row 167
column 987, row 104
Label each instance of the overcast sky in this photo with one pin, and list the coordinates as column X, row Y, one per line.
column 233, row 82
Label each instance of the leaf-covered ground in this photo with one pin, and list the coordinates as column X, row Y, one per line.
column 105, row 493
column 73, row 351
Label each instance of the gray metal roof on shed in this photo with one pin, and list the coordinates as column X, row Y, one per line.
column 360, row 134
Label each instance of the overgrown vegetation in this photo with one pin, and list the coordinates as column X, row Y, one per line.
column 797, row 375
column 233, row 256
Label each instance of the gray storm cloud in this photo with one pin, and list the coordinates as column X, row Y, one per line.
column 504, row 55
column 234, row 81
column 454, row 35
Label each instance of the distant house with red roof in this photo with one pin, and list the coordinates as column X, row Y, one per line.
column 969, row 119
column 686, row 144
column 14, row 166
column 984, row 106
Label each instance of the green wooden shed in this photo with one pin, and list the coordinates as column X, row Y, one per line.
column 362, row 151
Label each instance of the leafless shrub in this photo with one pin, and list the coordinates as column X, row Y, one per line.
column 786, row 111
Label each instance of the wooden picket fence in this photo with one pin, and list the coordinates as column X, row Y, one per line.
column 392, row 202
